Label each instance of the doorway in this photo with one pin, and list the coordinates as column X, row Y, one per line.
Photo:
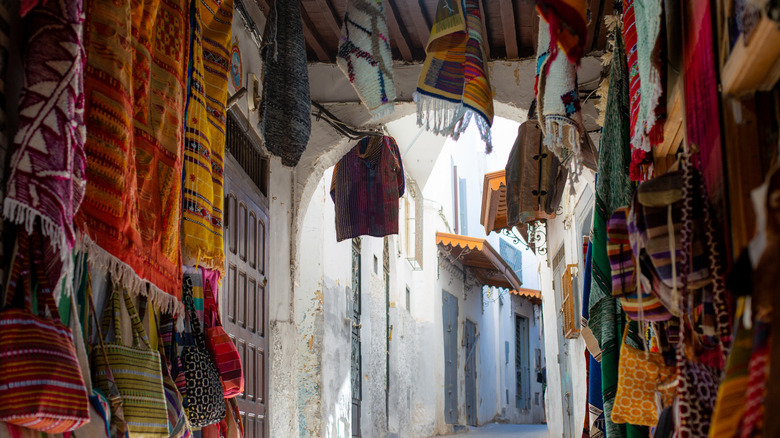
column 471, row 372
column 559, row 266
column 450, row 330
column 355, row 371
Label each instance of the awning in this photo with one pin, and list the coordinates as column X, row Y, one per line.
column 488, row 266
column 533, row 295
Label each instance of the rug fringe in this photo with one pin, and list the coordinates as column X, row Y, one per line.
column 439, row 116
column 22, row 214
column 382, row 111
column 125, row 276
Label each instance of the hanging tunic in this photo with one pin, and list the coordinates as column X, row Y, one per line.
column 365, row 188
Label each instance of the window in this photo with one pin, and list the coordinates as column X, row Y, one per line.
column 455, row 196
column 569, row 285
column 408, row 300
column 376, row 265
column 463, row 207
column 410, row 225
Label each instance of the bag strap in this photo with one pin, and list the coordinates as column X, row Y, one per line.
column 210, row 306
column 44, row 292
column 139, row 333
column 189, row 303
column 111, row 313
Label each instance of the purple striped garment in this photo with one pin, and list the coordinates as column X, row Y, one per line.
column 366, row 185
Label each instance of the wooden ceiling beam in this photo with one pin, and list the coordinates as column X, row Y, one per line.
column 333, row 21
column 398, row 33
column 510, row 33
column 313, row 38
column 418, row 19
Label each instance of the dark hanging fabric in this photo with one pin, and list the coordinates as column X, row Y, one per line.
column 534, row 177
column 285, row 121
column 365, row 188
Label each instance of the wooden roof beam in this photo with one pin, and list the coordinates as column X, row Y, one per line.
column 418, row 19
column 399, row 33
column 313, row 38
column 510, row 33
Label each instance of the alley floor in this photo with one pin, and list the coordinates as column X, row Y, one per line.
column 505, row 431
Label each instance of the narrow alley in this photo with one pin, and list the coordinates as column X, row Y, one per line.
column 389, row 218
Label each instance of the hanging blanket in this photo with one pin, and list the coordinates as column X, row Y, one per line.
column 46, row 178
column 642, row 34
column 595, row 407
column 568, row 26
column 613, row 190
column 204, row 147
column 454, row 83
column 134, row 113
column 365, row 57
column 558, row 101
column 285, row 121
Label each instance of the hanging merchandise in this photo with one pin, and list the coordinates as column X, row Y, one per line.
column 46, row 173
column 642, row 34
column 285, row 119
column 568, row 26
column 365, row 57
column 596, row 420
column 203, row 400
column 136, row 370
column 613, row 190
column 223, row 351
column 558, row 102
column 178, row 427
column 366, row 185
column 41, row 386
column 534, row 177
column 134, row 113
column 204, row 144
column 641, row 376
column 454, row 85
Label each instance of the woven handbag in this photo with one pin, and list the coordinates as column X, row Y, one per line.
column 136, row 370
column 640, row 375
column 203, row 400
column 178, row 427
column 223, row 351
column 41, row 386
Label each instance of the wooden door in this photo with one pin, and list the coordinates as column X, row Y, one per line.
column 450, row 330
column 356, row 356
column 245, row 287
column 471, row 373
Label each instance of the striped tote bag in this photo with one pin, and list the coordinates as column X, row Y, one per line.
column 137, row 372
column 223, row 351
column 41, row 386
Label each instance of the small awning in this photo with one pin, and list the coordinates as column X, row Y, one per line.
column 493, row 216
column 489, row 267
column 535, row 296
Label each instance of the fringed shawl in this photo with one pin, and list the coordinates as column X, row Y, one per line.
column 135, row 94
column 46, row 178
column 454, row 83
column 365, row 57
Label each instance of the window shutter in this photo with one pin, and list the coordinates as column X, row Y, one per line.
column 569, row 318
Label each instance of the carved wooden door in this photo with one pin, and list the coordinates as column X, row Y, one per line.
column 245, row 287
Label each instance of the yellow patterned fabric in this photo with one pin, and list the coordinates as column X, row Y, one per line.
column 205, row 134
column 639, row 375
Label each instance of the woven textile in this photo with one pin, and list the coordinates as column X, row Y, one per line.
column 595, row 399
column 454, row 85
column 222, row 349
column 755, row 392
column 613, row 190
column 568, row 25
column 365, row 188
column 134, row 87
column 365, row 57
column 534, row 187
column 285, row 121
column 41, row 384
column 46, row 178
column 136, row 370
column 204, row 146
column 558, row 101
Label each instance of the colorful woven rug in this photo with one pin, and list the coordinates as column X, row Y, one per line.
column 204, row 145
column 46, row 175
column 613, row 190
column 568, row 26
column 558, row 100
column 365, row 57
column 134, row 87
column 642, row 34
column 285, row 121
column 454, row 85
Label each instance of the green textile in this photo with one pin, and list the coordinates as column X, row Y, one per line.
column 613, row 190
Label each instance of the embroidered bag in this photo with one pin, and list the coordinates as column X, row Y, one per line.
column 223, row 351
column 136, row 370
column 640, row 375
column 41, row 386
column 203, row 401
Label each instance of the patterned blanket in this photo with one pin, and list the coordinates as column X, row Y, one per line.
column 204, row 146
column 568, row 25
column 134, row 88
column 46, row 179
column 364, row 55
column 454, row 83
